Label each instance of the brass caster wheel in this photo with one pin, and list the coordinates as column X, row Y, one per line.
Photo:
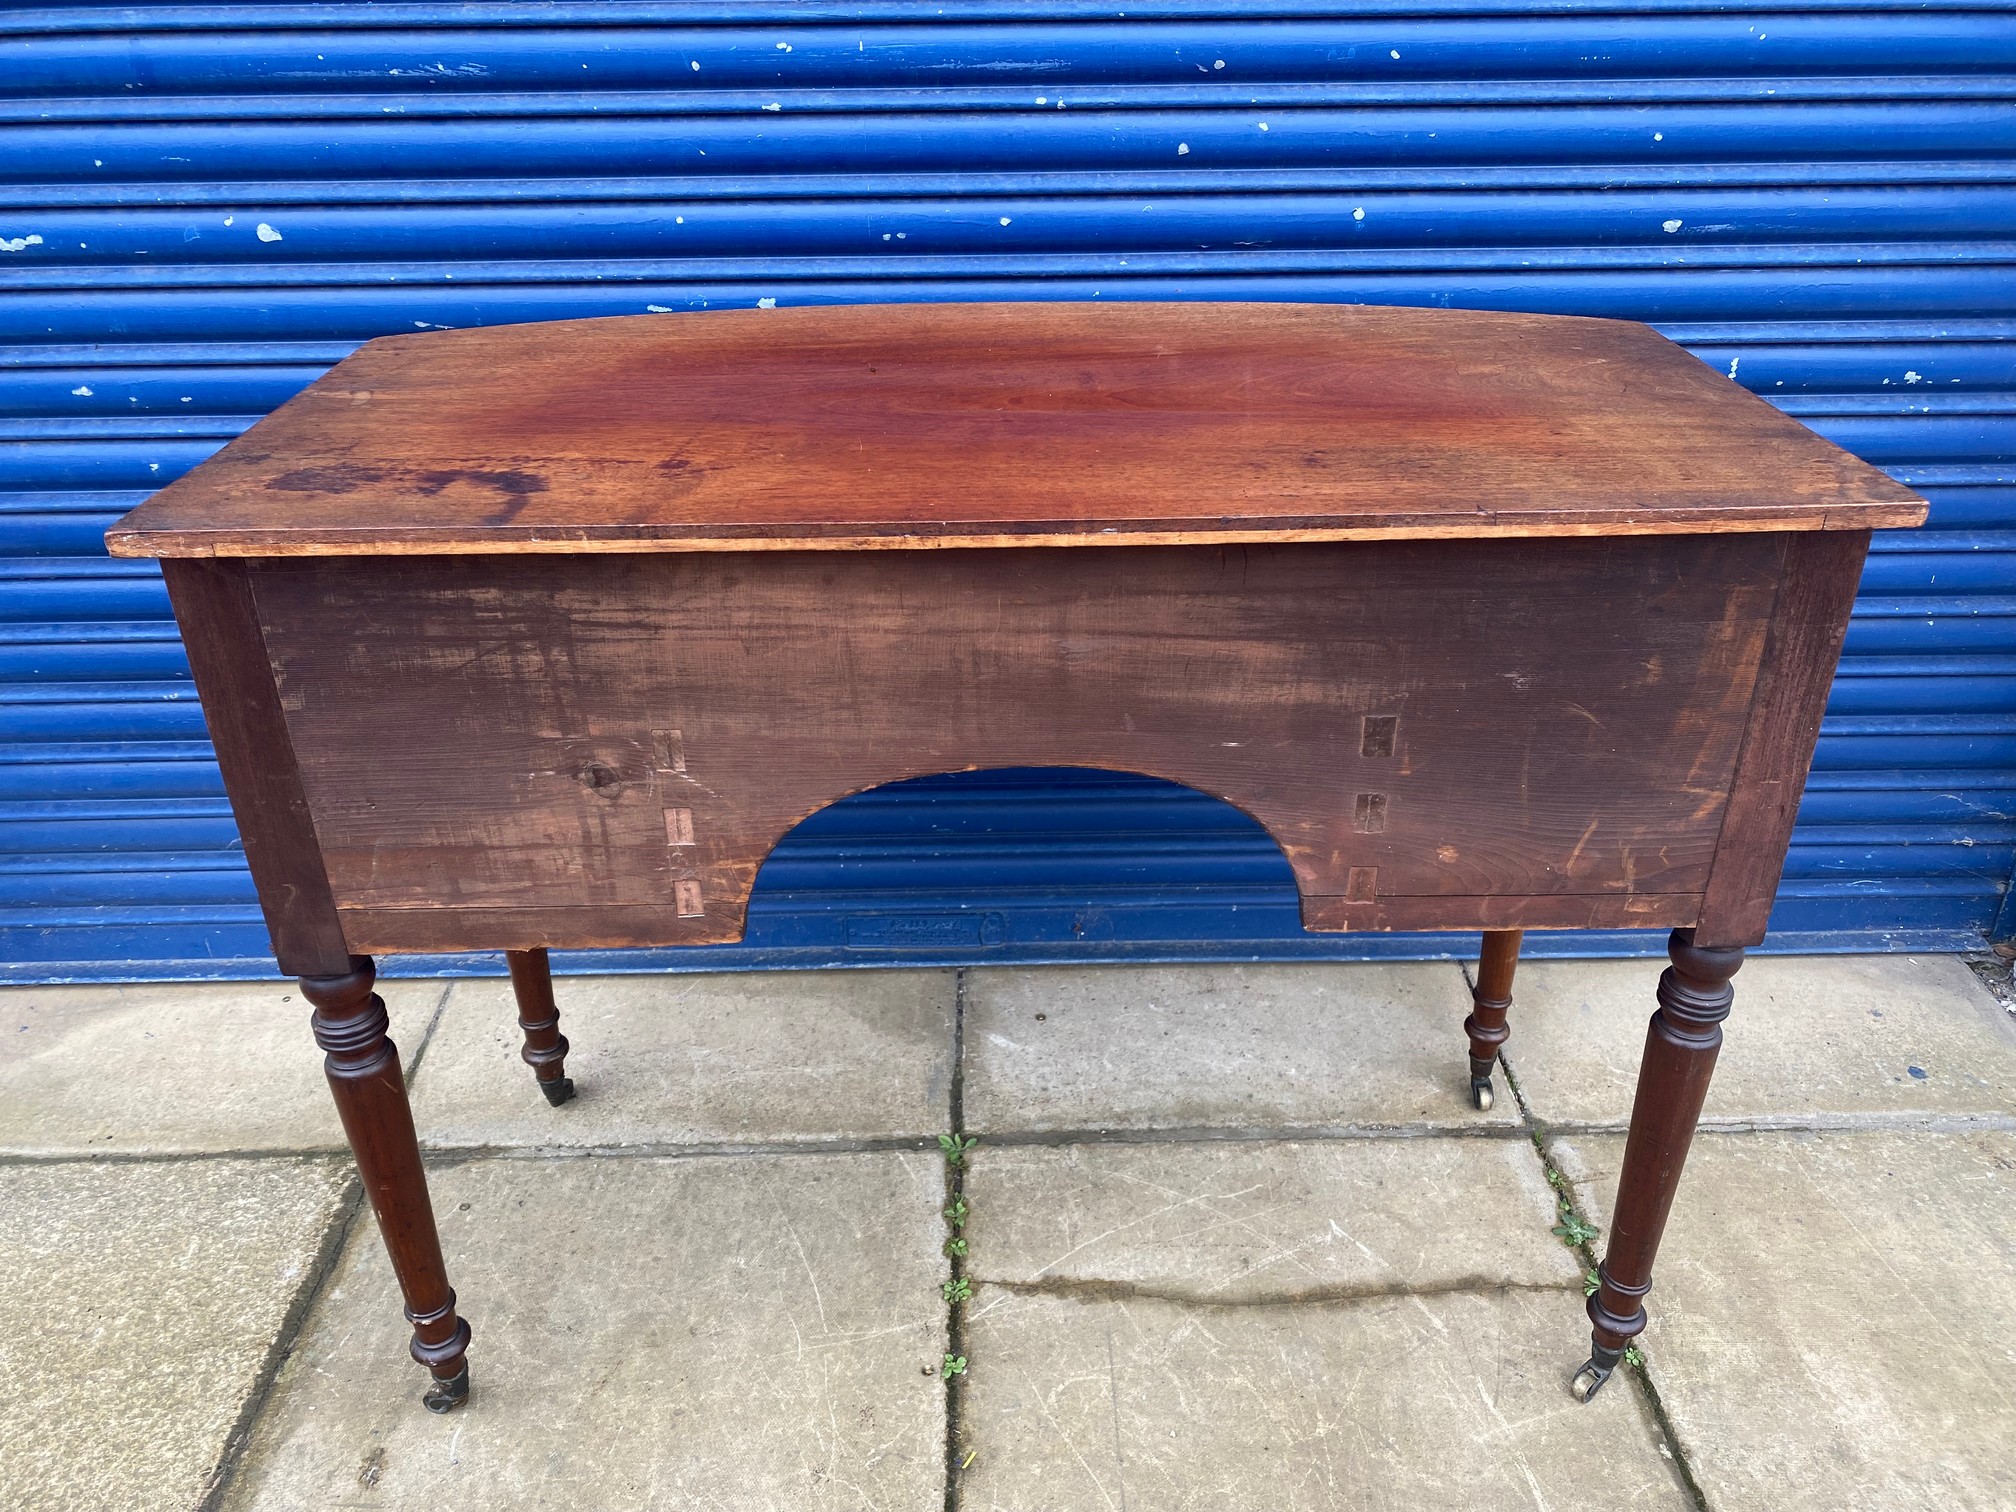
column 1588, row 1381
column 446, row 1396
column 1590, row 1378
column 1480, row 1093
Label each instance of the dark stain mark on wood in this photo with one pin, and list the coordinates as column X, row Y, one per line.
column 348, row 477
column 600, row 779
column 677, row 477
column 515, row 482
column 336, row 478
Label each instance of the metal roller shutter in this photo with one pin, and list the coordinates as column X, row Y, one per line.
column 204, row 206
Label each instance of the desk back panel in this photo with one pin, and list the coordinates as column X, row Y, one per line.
column 600, row 750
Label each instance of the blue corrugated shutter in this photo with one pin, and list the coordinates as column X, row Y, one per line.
column 201, row 207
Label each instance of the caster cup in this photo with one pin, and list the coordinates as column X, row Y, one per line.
column 558, row 1092
column 446, row 1396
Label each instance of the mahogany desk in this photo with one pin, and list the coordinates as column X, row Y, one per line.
column 543, row 635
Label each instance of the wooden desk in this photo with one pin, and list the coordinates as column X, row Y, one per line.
column 544, row 635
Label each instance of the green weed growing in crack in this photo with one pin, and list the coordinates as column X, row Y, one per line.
column 1573, row 1230
column 1590, row 1282
column 955, row 1216
column 956, row 1291
column 1634, row 1357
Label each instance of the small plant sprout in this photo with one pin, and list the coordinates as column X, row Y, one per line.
column 1573, row 1230
column 954, row 1365
column 1590, row 1283
column 958, row 1289
column 954, row 1147
column 956, row 1211
column 956, row 1247
column 1634, row 1356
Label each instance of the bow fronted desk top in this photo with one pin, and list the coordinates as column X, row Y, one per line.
column 544, row 635
column 864, row 427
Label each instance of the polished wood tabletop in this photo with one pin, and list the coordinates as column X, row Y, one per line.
column 1023, row 424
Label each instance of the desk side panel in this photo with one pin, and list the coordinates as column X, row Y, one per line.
column 601, row 750
column 227, row 653
column 1808, row 625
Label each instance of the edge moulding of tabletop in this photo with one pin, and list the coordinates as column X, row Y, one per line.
column 1494, row 622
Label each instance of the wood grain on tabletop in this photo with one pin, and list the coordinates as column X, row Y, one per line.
column 1042, row 423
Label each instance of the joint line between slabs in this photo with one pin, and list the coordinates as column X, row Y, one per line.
column 435, row 1155
column 427, row 1034
column 955, row 1191
column 307, row 1296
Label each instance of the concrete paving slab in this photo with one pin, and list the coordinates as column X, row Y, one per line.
column 1248, row 1221
column 750, row 1332
column 1258, row 1047
column 677, row 1059
column 1834, row 1317
column 1886, row 1039
column 175, row 1068
column 1454, row 1400
column 138, row 1303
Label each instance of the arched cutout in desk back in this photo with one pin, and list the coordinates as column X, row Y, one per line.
column 1032, row 857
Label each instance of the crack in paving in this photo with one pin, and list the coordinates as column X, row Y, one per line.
column 171, row 1157
column 442, row 1156
column 955, row 1193
column 1094, row 1289
column 1900, row 1122
column 438, row 1156
column 1246, row 1133
column 335, row 1239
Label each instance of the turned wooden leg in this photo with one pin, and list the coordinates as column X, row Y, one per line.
column 1680, row 1049
column 363, row 1069
column 545, row 1046
column 1490, row 1000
